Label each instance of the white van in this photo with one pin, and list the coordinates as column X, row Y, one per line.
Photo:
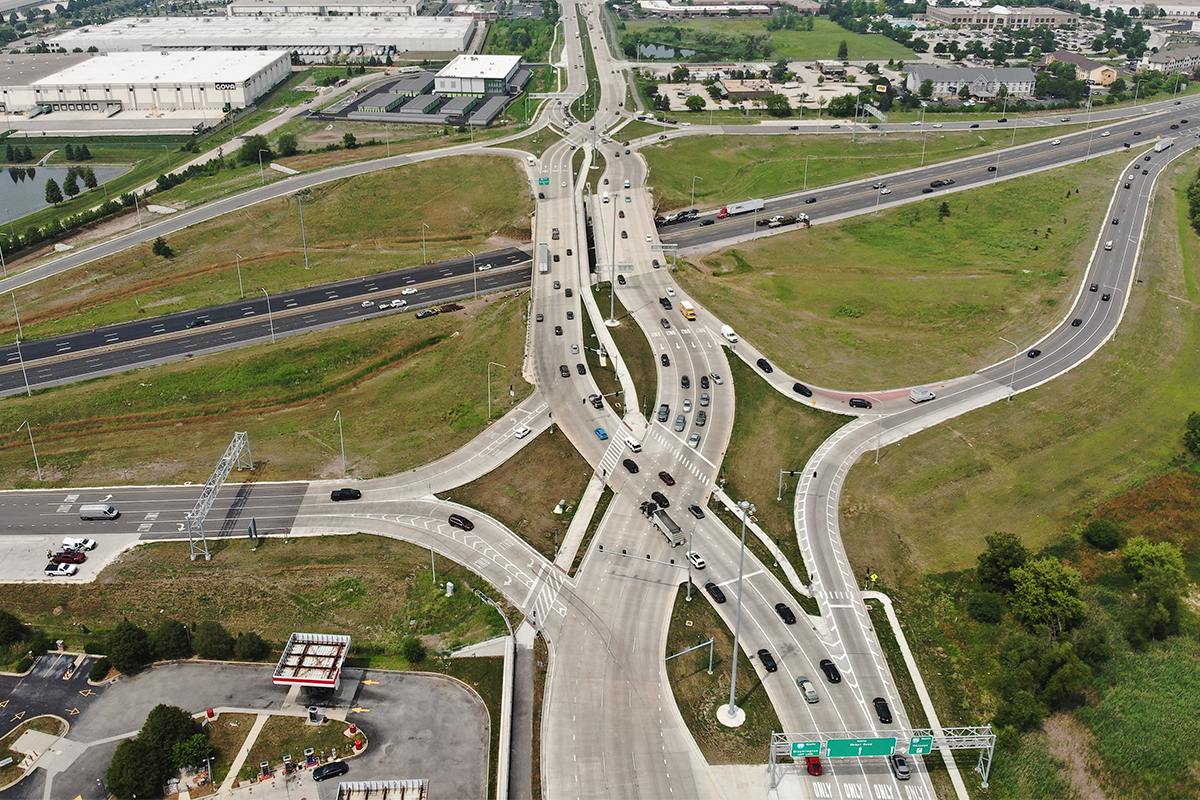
column 920, row 394
column 729, row 335
column 98, row 511
column 532, row 161
column 634, row 444
column 604, row 197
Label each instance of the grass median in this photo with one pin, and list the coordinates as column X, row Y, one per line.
column 354, row 227
column 634, row 348
column 918, row 293
column 409, row 391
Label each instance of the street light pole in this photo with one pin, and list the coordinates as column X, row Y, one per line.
column 303, row 235
column 342, row 439
column 28, row 391
column 20, row 333
column 489, row 376
column 270, row 319
column 474, row 274
column 36, row 463
column 1012, row 378
column 691, row 533
column 806, row 158
column 241, row 291
column 694, row 179
column 747, row 509
column 424, row 258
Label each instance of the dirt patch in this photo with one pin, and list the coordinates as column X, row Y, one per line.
column 1071, row 742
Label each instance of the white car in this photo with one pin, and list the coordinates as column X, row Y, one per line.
column 885, row 191
column 687, row 404
column 522, row 431
column 61, row 570
column 1106, row 133
column 71, row 543
column 696, row 560
column 670, row 292
column 409, row 290
column 914, row 124
column 399, row 303
column 1056, row 143
column 937, row 124
column 368, row 303
column 649, row 238
column 484, row 267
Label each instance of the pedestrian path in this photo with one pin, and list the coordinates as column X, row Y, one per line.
column 240, row 758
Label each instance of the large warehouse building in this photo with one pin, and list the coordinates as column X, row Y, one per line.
column 147, row 82
column 480, row 75
column 307, row 8
column 313, row 37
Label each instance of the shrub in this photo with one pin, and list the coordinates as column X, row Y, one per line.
column 412, row 650
column 985, row 607
column 129, row 647
column 23, row 665
column 250, row 647
column 12, row 630
column 171, row 640
column 95, row 647
column 211, row 640
column 1102, row 534
column 99, row 670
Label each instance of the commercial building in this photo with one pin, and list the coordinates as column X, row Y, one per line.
column 1001, row 16
column 292, row 8
column 982, row 82
column 113, row 82
column 1182, row 59
column 315, row 38
column 480, row 75
column 745, row 90
column 666, row 8
column 1085, row 68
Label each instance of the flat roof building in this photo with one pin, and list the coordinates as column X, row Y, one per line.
column 300, row 8
column 479, row 75
column 148, row 81
column 313, row 37
column 1001, row 16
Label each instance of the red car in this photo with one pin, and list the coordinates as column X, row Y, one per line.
column 68, row 557
column 666, row 478
column 814, row 765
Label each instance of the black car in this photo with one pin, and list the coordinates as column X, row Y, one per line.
column 1145, row 172
column 927, row 190
column 665, row 359
column 703, row 381
column 706, row 222
column 696, row 510
column 881, row 708
column 621, row 279
column 581, row 369
column 331, row 770
column 558, row 330
column 570, row 315
column 793, row 127
column 938, row 184
column 345, row 494
column 541, row 195
column 973, row 125
column 785, row 613
column 810, row 200
column 664, row 412
column 859, row 402
column 768, row 662
column 1075, row 323
column 666, row 323
column 1147, row 158
column 664, row 302
column 564, row 370
column 568, row 251
column 1002, row 119
column 714, row 590
column 630, row 465
column 1095, row 287
column 801, row 389
column 1127, row 186
column 1034, row 353
column 661, row 499
column 764, row 365
column 567, row 292
column 831, row 671
column 1106, row 297
column 1116, row 221
column 198, row 322
column 596, row 401
column 461, row 522
column 992, row 168
column 685, row 382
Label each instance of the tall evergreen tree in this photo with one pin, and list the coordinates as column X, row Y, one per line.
column 54, row 194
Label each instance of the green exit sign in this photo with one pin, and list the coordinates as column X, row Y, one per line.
column 920, row 745
column 853, row 748
column 543, row 181
column 802, row 749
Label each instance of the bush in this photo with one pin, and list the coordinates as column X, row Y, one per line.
column 412, row 650
column 1102, row 535
column 99, row 670
column 250, row 647
column 12, row 630
column 171, row 641
column 95, row 647
column 211, row 640
column 129, row 647
column 23, row 665
column 985, row 607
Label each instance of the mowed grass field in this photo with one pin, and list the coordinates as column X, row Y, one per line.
column 733, row 168
column 409, row 391
column 821, row 42
column 1037, row 467
column 906, row 296
column 354, row 227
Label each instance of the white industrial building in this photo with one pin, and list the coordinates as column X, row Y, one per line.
column 479, row 75
column 152, row 81
column 292, row 8
column 313, row 37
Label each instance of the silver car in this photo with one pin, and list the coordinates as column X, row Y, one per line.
column 680, row 422
column 807, row 689
column 694, row 441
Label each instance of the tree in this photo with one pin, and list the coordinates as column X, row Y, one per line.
column 680, row 74
column 250, row 647
column 964, row 92
column 248, row 153
column 778, row 105
column 843, row 51
column 71, row 184
column 82, row 153
column 1004, row 553
column 12, row 630
column 349, row 141
column 1046, row 592
column 89, row 178
column 1102, row 534
column 161, row 248
column 211, row 640
column 171, row 641
column 925, row 90
column 985, row 607
column 54, row 195
column 287, row 145
column 1191, row 434
column 168, row 725
column 69, row 152
column 412, row 650
column 10, row 155
column 695, row 102
column 138, row 768
column 944, row 210
column 1142, row 555
column 129, row 647
column 192, row 752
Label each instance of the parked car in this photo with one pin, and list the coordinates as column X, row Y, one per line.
column 68, row 557
column 73, row 543
column 345, row 494
column 331, row 770
column 715, row 592
column 61, row 570
column 831, row 671
column 461, row 522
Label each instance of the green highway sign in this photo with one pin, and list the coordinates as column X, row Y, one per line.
column 543, row 181
column 801, row 749
column 920, row 745
column 852, row 748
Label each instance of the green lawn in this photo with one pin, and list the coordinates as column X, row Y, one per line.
column 821, row 42
column 733, row 168
column 635, row 351
column 905, row 296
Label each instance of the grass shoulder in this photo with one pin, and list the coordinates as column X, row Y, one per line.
column 821, row 42
column 634, row 348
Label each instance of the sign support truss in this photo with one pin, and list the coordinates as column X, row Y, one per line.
column 237, row 454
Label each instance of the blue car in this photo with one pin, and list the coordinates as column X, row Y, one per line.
column 601, row 434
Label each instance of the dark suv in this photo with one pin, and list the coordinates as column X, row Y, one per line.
column 881, row 708
column 764, row 365
column 859, row 402
column 345, row 494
